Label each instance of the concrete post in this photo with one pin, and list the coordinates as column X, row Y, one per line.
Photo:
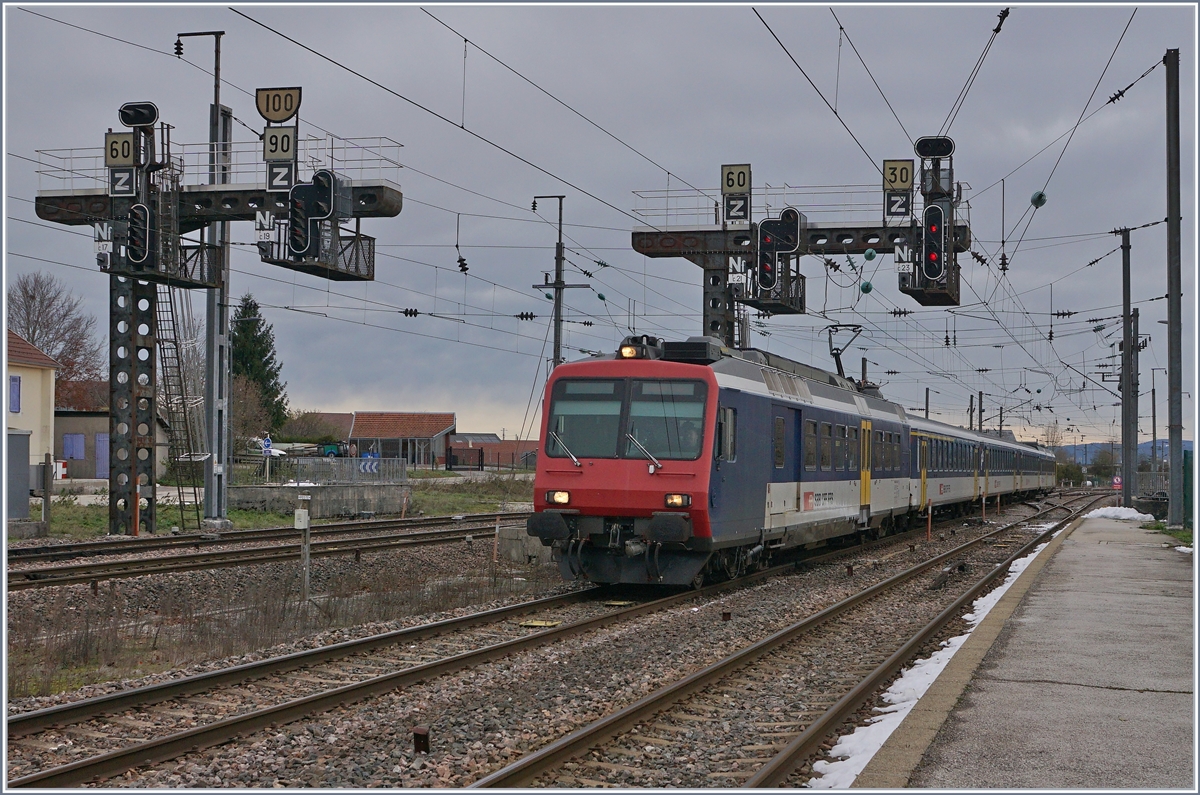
column 1175, row 515
column 302, row 524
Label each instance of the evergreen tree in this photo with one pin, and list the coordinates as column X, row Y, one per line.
column 253, row 343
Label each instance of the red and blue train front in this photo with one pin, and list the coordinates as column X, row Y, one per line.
column 621, row 490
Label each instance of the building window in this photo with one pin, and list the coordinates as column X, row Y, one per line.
column 73, row 447
column 14, row 394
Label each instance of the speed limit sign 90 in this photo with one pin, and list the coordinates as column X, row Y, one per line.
column 279, row 143
column 735, row 179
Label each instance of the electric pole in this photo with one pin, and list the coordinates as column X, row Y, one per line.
column 1129, row 399
column 218, row 356
column 1174, row 298
column 926, row 402
column 558, row 284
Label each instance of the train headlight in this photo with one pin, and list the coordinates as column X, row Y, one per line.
column 558, row 497
column 629, row 352
column 678, row 500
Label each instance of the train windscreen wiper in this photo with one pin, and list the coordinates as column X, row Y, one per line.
column 647, row 453
column 566, row 449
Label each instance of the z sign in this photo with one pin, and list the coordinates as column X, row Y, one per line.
column 280, row 176
column 122, row 182
column 737, row 207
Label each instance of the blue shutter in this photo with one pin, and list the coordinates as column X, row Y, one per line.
column 14, row 394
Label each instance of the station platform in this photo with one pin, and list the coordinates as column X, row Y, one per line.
column 1081, row 676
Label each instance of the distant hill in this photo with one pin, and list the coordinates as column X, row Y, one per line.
column 1083, row 453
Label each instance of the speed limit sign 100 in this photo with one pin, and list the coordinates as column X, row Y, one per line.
column 277, row 105
column 279, row 143
column 119, row 150
column 735, row 179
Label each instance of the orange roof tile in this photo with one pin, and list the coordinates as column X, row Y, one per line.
column 396, row 425
column 21, row 351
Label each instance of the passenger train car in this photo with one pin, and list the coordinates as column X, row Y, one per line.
column 677, row 462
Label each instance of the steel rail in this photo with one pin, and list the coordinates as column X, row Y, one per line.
column 74, row 574
column 173, row 745
column 215, row 733
column 63, row 714
column 775, row 772
column 528, row 767
column 146, row 543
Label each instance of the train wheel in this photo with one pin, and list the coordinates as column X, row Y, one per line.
column 698, row 580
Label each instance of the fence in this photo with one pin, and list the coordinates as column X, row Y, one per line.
column 283, row 470
column 480, row 458
column 1151, row 482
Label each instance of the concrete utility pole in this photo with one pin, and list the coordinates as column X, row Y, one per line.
column 926, row 402
column 217, row 351
column 981, row 411
column 1154, row 424
column 558, row 284
column 1174, row 298
column 1129, row 399
column 971, row 412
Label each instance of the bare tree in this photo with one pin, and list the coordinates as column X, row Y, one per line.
column 249, row 419
column 43, row 311
column 1052, row 435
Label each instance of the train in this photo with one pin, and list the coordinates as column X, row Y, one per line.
column 684, row 462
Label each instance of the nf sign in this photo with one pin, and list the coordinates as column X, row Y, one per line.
column 277, row 105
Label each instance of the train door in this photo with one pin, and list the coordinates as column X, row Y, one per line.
column 923, row 463
column 975, row 468
column 864, row 474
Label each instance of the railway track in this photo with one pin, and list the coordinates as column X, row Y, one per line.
column 781, row 697
column 126, row 545
column 76, row 573
column 112, row 734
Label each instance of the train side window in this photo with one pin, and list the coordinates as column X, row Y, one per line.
column 852, row 448
column 839, row 448
column 727, row 434
column 810, row 445
column 877, row 457
column 895, row 452
column 777, row 442
column 826, row 447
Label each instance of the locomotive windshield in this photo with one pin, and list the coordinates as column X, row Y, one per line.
column 594, row 418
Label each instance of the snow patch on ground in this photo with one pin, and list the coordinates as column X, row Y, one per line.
column 1184, row 550
column 854, row 751
column 1119, row 513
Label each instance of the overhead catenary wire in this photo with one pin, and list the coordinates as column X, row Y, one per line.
column 962, row 94
column 849, row 40
column 842, row 121
column 439, row 116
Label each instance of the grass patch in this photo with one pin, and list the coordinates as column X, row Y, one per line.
column 472, row 496
column 70, row 520
column 1182, row 534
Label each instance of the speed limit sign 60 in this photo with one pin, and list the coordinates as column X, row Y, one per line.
column 735, row 179
column 279, row 143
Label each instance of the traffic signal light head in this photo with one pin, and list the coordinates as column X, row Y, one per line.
column 776, row 236
column 933, row 248
column 300, row 237
column 323, row 186
column 138, row 114
column 138, row 244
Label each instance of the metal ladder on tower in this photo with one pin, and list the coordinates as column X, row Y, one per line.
column 183, row 455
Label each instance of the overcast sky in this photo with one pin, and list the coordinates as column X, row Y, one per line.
column 681, row 90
